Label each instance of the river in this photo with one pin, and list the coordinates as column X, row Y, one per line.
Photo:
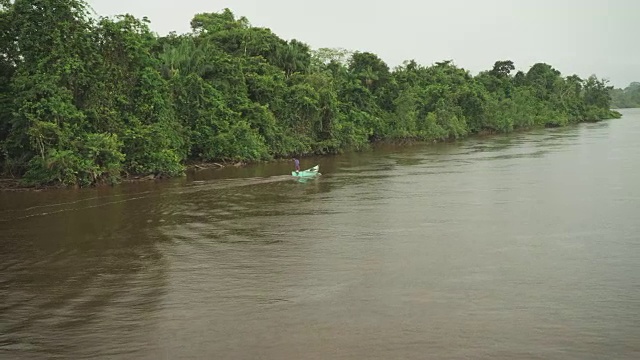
column 522, row 246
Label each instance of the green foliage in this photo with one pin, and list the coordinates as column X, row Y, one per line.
column 95, row 158
column 150, row 149
column 83, row 100
column 626, row 98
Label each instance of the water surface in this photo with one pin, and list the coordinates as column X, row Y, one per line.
column 523, row 246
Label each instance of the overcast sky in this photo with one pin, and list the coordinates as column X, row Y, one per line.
column 581, row 37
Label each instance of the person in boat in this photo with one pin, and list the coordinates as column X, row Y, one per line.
column 297, row 164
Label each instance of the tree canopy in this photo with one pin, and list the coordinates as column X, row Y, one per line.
column 86, row 100
column 628, row 97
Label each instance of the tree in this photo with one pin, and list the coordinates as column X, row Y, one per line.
column 626, row 98
column 502, row 69
column 85, row 100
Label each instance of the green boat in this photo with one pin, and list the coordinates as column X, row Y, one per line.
column 309, row 173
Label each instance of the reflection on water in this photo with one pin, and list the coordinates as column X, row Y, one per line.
column 515, row 246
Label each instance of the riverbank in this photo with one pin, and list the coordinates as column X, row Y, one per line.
column 15, row 184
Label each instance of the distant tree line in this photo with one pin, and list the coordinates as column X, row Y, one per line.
column 626, row 98
column 86, row 99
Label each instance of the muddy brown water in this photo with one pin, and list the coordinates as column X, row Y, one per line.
column 524, row 246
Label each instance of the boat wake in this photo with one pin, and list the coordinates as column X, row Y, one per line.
column 8, row 215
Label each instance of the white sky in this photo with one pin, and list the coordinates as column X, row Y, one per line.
column 581, row 37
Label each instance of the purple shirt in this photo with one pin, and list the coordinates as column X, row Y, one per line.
column 297, row 162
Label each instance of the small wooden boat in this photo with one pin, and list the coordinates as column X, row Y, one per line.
column 311, row 172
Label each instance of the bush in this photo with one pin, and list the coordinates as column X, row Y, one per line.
column 96, row 158
column 149, row 150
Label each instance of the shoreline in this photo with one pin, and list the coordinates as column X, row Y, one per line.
column 10, row 184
